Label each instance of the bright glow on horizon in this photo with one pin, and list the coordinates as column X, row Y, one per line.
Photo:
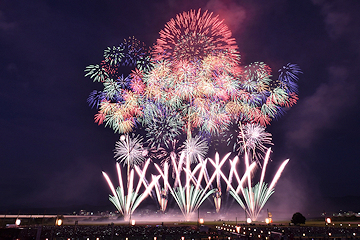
column 17, row 222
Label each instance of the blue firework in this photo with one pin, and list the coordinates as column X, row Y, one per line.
column 289, row 76
column 95, row 98
column 124, row 82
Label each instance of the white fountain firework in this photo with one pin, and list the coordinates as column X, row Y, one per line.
column 188, row 194
column 255, row 197
column 127, row 203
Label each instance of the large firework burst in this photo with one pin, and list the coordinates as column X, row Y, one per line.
column 194, row 35
column 191, row 82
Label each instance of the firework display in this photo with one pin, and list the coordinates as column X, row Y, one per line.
column 127, row 203
column 181, row 94
column 253, row 198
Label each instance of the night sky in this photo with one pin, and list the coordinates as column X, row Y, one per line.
column 52, row 153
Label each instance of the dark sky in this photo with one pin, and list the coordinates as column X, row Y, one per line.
column 52, row 153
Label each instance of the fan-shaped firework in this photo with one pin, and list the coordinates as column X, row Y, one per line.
column 193, row 36
column 254, row 198
column 127, row 203
column 190, row 194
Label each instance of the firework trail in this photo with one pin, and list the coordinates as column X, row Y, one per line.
column 162, row 192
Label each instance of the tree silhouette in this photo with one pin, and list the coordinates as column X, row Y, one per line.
column 298, row 218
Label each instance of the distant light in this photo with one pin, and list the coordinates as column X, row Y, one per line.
column 59, row 222
column 303, row 234
column 328, row 220
column 17, row 222
column 267, row 220
column 132, row 222
column 154, row 238
column 248, row 220
column 238, row 229
column 201, row 220
column 329, row 234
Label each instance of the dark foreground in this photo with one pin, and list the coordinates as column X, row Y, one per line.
column 221, row 231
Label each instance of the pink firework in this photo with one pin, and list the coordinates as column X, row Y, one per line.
column 193, row 36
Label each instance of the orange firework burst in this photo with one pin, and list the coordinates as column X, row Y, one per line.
column 193, row 36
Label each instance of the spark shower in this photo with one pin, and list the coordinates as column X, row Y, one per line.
column 185, row 96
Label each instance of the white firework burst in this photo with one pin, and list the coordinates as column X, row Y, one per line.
column 130, row 150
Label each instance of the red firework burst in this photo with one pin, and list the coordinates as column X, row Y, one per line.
column 193, row 36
